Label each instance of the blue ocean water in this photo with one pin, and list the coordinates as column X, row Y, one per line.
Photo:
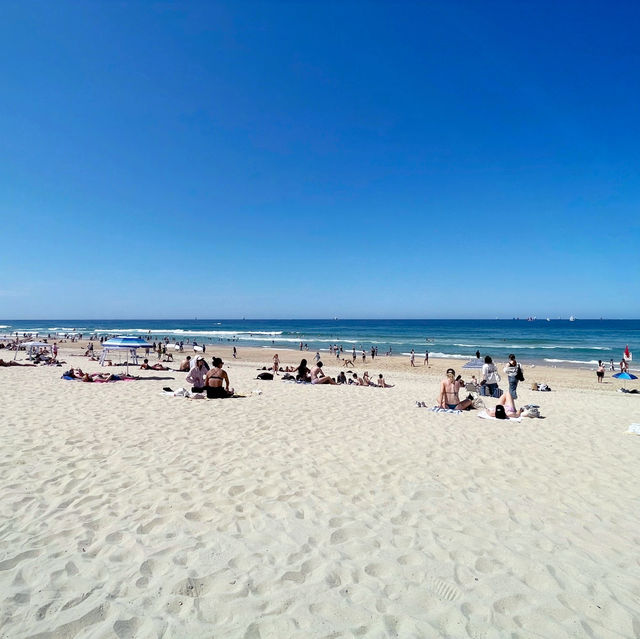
column 555, row 342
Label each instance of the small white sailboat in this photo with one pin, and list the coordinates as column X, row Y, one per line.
column 572, row 319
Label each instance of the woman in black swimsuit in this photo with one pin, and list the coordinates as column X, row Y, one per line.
column 303, row 372
column 214, row 380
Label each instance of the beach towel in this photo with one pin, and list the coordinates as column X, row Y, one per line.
column 484, row 415
column 451, row 411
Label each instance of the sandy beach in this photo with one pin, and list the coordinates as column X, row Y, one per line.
column 315, row 511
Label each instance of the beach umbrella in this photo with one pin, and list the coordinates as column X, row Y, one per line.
column 624, row 376
column 124, row 343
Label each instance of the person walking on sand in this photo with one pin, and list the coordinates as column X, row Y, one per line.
column 426, row 359
column 276, row 364
column 412, row 358
column 600, row 371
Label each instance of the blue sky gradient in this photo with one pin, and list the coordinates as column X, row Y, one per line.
column 351, row 159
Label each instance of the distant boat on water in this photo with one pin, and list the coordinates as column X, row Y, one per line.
column 572, row 319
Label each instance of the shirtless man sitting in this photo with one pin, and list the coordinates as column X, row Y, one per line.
column 449, row 389
column 318, row 376
column 186, row 364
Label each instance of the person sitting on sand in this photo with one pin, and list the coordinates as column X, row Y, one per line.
column 449, row 389
column 318, row 376
column 197, row 375
column 12, row 363
column 155, row 367
column 357, row 381
column 382, row 383
column 214, row 380
column 185, row 366
column 342, row 378
column 303, row 372
column 508, row 408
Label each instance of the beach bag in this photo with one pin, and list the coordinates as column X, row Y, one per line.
column 265, row 376
column 519, row 374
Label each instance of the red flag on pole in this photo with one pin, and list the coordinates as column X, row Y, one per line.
column 626, row 352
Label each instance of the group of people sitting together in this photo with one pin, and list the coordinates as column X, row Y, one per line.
column 450, row 387
column 212, row 380
column 316, row 375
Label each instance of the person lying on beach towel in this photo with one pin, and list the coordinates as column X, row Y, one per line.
column 78, row 375
column 153, row 367
column 12, row 363
column 506, row 408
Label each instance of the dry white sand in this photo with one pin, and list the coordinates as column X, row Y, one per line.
column 311, row 511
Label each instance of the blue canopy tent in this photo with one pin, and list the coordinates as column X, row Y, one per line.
column 123, row 343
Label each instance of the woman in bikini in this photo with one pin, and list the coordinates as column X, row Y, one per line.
column 449, row 389
column 214, row 380
column 509, row 407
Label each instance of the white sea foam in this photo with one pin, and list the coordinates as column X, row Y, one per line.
column 180, row 331
column 570, row 361
column 535, row 347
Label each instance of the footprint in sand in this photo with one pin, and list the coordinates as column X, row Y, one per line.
column 8, row 564
column 442, row 589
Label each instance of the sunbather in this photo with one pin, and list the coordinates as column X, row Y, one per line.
column 12, row 363
column 303, row 372
column 382, row 383
column 508, row 408
column 449, row 389
column 318, row 376
column 153, row 367
column 214, row 380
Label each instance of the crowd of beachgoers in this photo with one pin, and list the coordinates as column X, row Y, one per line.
column 208, row 378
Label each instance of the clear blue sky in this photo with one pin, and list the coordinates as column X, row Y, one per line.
column 351, row 159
